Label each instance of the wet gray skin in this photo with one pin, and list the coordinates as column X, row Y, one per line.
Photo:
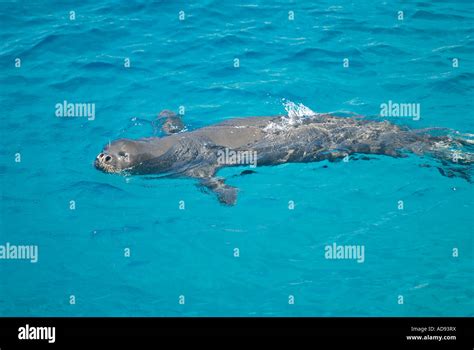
column 275, row 140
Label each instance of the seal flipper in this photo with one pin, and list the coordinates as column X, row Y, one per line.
column 205, row 173
column 169, row 122
column 225, row 194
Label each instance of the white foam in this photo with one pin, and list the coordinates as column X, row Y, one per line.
column 295, row 115
column 299, row 110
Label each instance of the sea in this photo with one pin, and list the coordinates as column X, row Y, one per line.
column 113, row 245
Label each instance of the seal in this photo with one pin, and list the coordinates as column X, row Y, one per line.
column 265, row 141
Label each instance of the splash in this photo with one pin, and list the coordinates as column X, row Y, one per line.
column 298, row 111
column 295, row 115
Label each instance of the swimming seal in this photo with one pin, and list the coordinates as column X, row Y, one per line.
column 274, row 140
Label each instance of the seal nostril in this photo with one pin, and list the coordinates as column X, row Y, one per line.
column 108, row 158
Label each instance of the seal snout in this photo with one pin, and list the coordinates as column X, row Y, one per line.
column 103, row 158
column 102, row 162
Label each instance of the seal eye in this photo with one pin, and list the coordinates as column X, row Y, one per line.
column 123, row 155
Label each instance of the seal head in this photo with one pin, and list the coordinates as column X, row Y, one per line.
column 118, row 156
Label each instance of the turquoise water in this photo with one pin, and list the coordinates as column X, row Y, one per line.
column 190, row 252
